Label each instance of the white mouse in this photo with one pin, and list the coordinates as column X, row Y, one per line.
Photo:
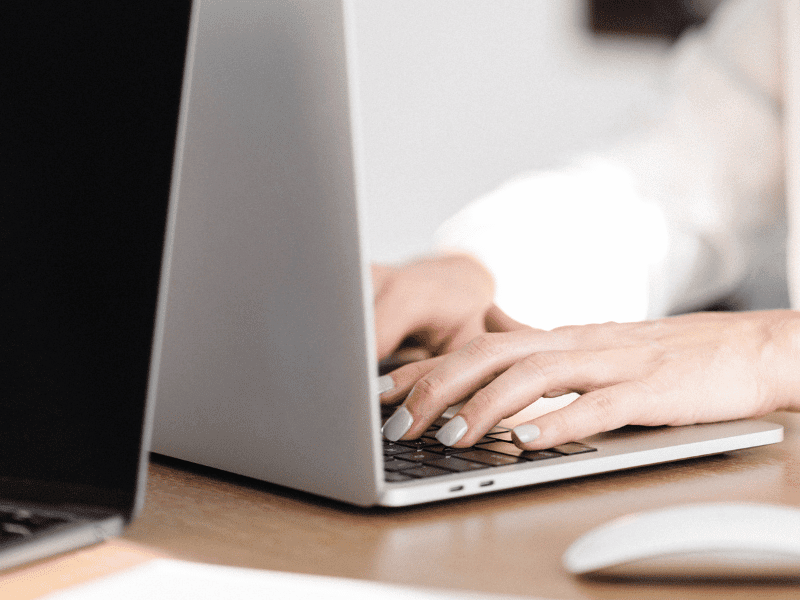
column 705, row 541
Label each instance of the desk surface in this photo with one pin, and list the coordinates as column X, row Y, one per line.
column 509, row 542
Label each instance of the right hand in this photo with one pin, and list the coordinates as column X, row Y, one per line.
column 693, row 368
column 437, row 303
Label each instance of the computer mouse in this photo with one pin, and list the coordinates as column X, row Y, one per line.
column 693, row 541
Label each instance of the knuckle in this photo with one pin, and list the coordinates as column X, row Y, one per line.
column 429, row 388
column 540, row 365
column 560, row 422
column 606, row 409
column 601, row 333
column 590, row 333
column 485, row 346
column 487, row 399
column 395, row 287
column 416, row 370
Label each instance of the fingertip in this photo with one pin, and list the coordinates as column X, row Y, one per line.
column 404, row 379
column 392, row 397
column 525, row 434
column 386, row 390
column 452, row 431
column 398, row 424
column 385, row 384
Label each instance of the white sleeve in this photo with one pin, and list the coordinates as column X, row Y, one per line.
column 668, row 221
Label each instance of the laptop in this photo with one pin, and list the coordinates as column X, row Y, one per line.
column 268, row 368
column 90, row 107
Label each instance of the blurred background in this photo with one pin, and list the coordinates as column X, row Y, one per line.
column 459, row 95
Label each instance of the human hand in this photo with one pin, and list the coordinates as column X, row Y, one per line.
column 439, row 302
column 695, row 368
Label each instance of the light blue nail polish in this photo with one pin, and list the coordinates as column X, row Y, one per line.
column 453, row 430
column 397, row 425
column 526, row 433
column 385, row 384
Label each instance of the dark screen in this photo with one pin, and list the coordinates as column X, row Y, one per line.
column 89, row 112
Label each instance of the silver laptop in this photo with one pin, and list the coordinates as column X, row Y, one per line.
column 91, row 109
column 268, row 367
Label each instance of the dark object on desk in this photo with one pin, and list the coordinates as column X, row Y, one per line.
column 650, row 18
column 90, row 106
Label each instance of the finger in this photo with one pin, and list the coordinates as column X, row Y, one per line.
column 598, row 411
column 541, row 374
column 403, row 356
column 467, row 370
column 395, row 318
column 496, row 321
column 379, row 274
column 465, row 334
column 404, row 378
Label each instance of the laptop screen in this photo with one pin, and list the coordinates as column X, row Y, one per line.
column 89, row 116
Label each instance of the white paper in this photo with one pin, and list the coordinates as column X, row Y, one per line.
column 178, row 580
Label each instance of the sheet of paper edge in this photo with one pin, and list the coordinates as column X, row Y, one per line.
column 165, row 579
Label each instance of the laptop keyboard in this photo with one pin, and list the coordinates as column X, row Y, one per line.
column 18, row 524
column 426, row 457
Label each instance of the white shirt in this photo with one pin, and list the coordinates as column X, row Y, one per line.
column 688, row 212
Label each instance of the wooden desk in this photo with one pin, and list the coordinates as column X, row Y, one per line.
column 510, row 542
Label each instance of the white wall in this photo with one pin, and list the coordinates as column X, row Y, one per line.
column 458, row 95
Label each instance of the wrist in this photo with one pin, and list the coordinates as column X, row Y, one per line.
column 784, row 360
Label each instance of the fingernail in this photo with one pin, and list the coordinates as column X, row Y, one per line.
column 385, row 384
column 526, row 433
column 452, row 431
column 397, row 425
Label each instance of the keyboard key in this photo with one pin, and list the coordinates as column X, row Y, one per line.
column 534, row 455
column 502, row 448
column 484, row 440
column 494, row 459
column 395, row 476
column 418, row 443
column 571, row 448
column 453, row 463
column 497, row 429
column 425, row 471
column 502, row 436
column 395, row 464
column 446, row 450
column 512, row 450
column 391, row 449
column 28, row 520
column 9, row 536
column 421, row 456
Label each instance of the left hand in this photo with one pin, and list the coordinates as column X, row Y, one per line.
column 693, row 368
column 439, row 303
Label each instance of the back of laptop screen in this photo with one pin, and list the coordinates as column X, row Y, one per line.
column 89, row 112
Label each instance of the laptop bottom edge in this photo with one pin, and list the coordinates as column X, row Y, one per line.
column 616, row 451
